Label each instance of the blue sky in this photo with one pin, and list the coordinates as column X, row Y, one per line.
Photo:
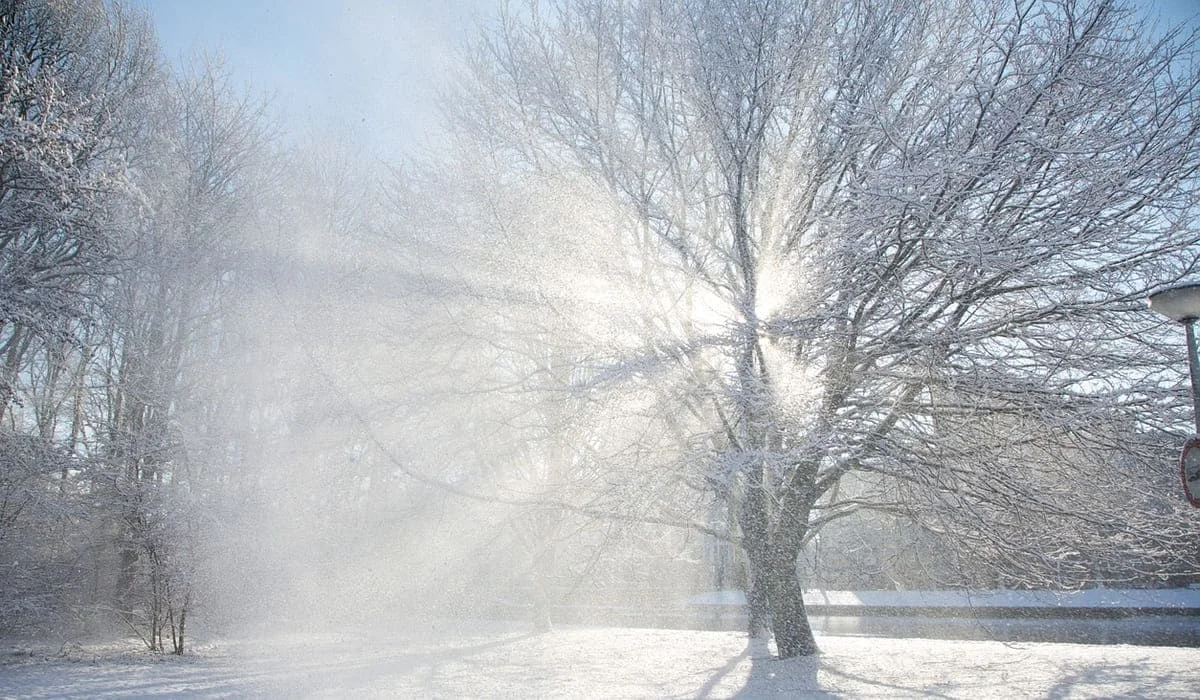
column 368, row 69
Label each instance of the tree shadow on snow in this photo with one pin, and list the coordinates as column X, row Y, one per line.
column 769, row 676
column 799, row 677
column 884, row 686
column 773, row 677
column 388, row 664
column 1136, row 678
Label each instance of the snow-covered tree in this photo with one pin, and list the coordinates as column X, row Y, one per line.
column 77, row 80
column 855, row 255
column 75, row 77
column 124, row 203
column 172, row 328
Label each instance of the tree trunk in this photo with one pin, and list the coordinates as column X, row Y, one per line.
column 752, row 516
column 789, row 619
column 757, row 607
column 542, row 620
column 775, row 591
column 178, row 628
column 774, row 595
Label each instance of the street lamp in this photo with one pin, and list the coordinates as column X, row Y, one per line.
column 1182, row 304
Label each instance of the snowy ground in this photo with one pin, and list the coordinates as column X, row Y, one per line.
column 456, row 661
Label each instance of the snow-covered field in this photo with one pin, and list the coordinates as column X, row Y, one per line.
column 482, row 660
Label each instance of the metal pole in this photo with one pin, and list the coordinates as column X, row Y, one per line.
column 1194, row 369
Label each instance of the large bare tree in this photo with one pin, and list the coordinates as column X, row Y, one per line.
column 883, row 255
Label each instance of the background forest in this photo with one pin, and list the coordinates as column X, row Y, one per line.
column 689, row 295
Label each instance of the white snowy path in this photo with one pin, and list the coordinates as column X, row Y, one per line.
column 580, row 663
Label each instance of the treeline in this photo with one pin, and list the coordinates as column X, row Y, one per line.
column 126, row 193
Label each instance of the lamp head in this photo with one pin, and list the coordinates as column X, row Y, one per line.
column 1180, row 303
